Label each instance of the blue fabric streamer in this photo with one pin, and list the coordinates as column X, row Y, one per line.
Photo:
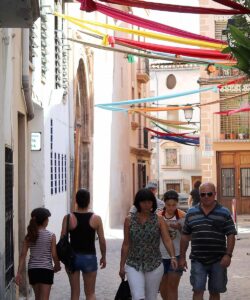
column 159, row 98
column 186, row 141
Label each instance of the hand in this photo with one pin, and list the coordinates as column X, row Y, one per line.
column 57, row 267
column 18, row 279
column 225, row 261
column 182, row 263
column 175, row 226
column 103, row 262
column 122, row 273
column 174, row 263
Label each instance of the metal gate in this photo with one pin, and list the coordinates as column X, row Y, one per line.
column 9, row 252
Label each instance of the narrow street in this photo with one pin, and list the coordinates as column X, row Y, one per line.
column 108, row 279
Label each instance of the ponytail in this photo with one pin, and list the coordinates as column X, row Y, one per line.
column 32, row 229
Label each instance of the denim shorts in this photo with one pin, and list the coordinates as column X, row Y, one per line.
column 216, row 274
column 85, row 263
column 168, row 268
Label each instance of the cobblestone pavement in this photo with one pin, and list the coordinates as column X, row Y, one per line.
column 108, row 279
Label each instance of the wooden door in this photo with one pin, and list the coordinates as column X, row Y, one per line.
column 234, row 180
column 194, row 179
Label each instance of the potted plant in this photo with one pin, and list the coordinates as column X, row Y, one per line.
column 232, row 135
column 242, row 132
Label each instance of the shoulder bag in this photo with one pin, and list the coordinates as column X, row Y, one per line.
column 64, row 250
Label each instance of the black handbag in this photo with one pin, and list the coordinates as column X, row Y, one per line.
column 64, row 250
column 123, row 292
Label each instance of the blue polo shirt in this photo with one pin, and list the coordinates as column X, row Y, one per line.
column 208, row 233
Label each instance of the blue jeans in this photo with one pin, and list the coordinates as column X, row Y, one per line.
column 168, row 268
column 217, row 277
column 85, row 263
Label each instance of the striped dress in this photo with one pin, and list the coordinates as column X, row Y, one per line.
column 40, row 251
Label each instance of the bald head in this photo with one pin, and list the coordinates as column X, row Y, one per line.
column 207, row 186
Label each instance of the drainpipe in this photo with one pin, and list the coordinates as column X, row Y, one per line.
column 25, row 75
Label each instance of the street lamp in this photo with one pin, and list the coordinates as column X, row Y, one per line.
column 188, row 113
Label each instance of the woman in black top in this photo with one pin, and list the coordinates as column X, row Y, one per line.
column 83, row 226
column 194, row 197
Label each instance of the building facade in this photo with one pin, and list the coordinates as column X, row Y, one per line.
column 225, row 140
column 175, row 166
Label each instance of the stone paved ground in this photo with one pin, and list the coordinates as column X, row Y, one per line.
column 108, row 279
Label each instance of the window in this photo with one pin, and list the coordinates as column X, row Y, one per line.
column 51, row 158
column 245, row 182
column 227, row 182
column 171, row 157
column 171, row 81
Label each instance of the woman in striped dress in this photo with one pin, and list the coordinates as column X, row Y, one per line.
column 42, row 245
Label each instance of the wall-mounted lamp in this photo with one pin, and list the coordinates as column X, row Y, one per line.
column 188, row 113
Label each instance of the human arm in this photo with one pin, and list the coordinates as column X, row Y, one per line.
column 167, row 241
column 190, row 200
column 102, row 242
column 22, row 258
column 226, row 259
column 185, row 239
column 125, row 248
column 57, row 266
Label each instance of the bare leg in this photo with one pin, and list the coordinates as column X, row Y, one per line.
column 74, row 280
column 198, row 295
column 36, row 289
column 164, row 286
column 214, row 296
column 89, row 285
column 172, row 287
column 45, row 291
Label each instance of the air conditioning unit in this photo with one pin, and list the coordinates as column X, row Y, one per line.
column 18, row 14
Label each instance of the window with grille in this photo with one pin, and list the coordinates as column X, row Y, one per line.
column 236, row 123
column 245, row 182
column 228, row 182
column 55, row 173
column 9, row 244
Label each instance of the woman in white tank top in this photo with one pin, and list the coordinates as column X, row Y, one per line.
column 42, row 245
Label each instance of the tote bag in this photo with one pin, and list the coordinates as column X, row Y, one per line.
column 123, row 292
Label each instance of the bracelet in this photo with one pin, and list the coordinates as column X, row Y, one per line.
column 172, row 257
column 229, row 254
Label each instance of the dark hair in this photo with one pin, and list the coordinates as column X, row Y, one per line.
column 38, row 216
column 82, row 198
column 145, row 195
column 197, row 184
column 171, row 195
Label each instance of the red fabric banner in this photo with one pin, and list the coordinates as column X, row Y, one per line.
column 90, row 5
column 183, row 135
column 175, row 8
column 233, row 4
column 176, row 50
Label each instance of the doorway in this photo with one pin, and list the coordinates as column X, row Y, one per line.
column 234, row 180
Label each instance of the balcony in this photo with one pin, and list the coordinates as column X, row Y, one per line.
column 143, row 71
column 18, row 14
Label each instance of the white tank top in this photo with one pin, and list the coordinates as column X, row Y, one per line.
column 40, row 251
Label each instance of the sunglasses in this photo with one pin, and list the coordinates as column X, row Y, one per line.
column 209, row 194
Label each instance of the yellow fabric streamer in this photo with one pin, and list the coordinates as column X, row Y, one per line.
column 174, row 39
column 146, row 109
column 166, row 122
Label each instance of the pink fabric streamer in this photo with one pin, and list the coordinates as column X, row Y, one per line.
column 138, row 21
column 175, row 8
column 233, row 111
column 176, row 50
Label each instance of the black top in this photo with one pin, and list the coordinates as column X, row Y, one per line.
column 82, row 238
column 195, row 196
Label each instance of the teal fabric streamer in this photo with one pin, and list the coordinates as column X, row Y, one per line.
column 152, row 99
